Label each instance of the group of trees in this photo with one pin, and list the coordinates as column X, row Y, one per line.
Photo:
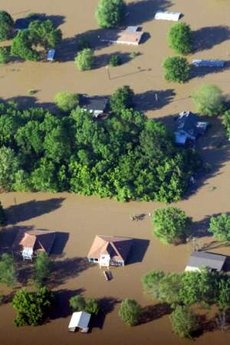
column 183, row 290
column 127, row 156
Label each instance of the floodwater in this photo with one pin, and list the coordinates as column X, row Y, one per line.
column 78, row 219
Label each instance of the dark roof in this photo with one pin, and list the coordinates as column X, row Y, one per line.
column 205, row 259
column 94, row 103
column 187, row 122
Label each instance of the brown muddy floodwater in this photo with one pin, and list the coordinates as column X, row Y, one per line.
column 78, row 219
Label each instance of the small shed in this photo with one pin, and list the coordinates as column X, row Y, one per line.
column 208, row 63
column 50, row 55
column 173, row 16
column 79, row 319
column 211, row 261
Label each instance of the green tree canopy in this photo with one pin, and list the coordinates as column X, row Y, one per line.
column 7, row 270
column 6, row 25
column 22, row 46
column 219, row 226
column 184, row 322
column 109, row 13
column 84, row 59
column 4, row 54
column 129, row 312
column 31, row 307
column 226, row 122
column 9, row 165
column 43, row 33
column 121, row 99
column 89, row 305
column 66, row 101
column 208, row 100
column 171, row 224
column 180, row 38
column 42, row 268
column 176, row 69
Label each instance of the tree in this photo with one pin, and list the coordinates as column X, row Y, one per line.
column 77, row 303
column 180, row 38
column 2, row 215
column 4, row 55
column 121, row 99
column 66, row 101
column 219, row 226
column 109, row 13
column 31, row 307
column 6, row 25
column 130, row 311
column 9, row 165
column 43, row 33
column 170, row 224
column 92, row 306
column 208, row 100
column 226, row 122
column 42, row 268
column 115, row 60
column 184, row 322
column 176, row 69
column 84, row 59
column 22, row 46
column 7, row 270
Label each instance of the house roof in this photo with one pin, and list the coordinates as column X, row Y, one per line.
column 79, row 319
column 94, row 103
column 38, row 240
column 174, row 16
column 131, row 35
column 117, row 248
column 205, row 259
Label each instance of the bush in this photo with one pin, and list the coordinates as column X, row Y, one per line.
column 208, row 100
column 171, row 225
column 130, row 311
column 219, row 226
column 115, row 60
column 176, row 69
column 6, row 25
column 109, row 13
column 4, row 54
column 184, row 322
column 84, row 59
column 180, row 38
column 66, row 101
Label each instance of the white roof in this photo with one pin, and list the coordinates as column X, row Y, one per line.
column 174, row 16
column 79, row 319
column 208, row 63
column 27, row 251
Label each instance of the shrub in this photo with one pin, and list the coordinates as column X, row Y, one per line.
column 208, row 100
column 170, row 224
column 130, row 311
column 180, row 38
column 66, row 101
column 84, row 59
column 115, row 60
column 176, row 69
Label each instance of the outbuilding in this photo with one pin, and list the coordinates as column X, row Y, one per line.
column 80, row 320
column 200, row 259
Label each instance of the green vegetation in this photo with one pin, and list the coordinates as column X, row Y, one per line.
column 127, row 156
column 171, row 225
column 4, row 55
column 42, row 268
column 31, row 307
column 6, row 26
column 226, row 122
column 176, row 69
column 219, row 226
column 129, row 312
column 84, row 59
column 66, row 101
column 7, row 270
column 2, row 215
column 79, row 303
column 110, row 13
column 208, row 100
column 180, row 38
column 115, row 60
column 121, row 99
column 27, row 43
column 184, row 322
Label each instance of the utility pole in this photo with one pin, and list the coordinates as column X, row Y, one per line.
column 107, row 71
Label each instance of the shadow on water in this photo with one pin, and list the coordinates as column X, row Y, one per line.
column 208, row 37
column 200, row 72
column 23, row 23
column 31, row 209
column 154, row 312
column 153, row 99
column 107, row 305
column 139, row 12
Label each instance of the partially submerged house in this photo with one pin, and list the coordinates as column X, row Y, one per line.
column 173, row 16
column 208, row 63
column 110, row 250
column 51, row 55
column 79, row 320
column 32, row 242
column 97, row 105
column 188, row 127
column 199, row 260
column 131, row 36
